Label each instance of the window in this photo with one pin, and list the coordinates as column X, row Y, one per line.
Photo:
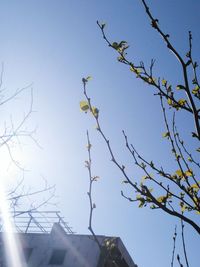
column 27, row 253
column 57, row 257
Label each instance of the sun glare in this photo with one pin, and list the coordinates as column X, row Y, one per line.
column 11, row 163
column 11, row 243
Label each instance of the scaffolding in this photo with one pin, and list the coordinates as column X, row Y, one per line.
column 36, row 222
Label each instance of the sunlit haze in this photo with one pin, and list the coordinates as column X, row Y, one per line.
column 52, row 45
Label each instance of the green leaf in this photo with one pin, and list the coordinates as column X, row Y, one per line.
column 167, row 134
column 85, row 80
column 89, row 78
column 161, row 199
column 164, row 82
column 138, row 71
column 138, row 197
column 120, row 59
column 95, row 112
column 144, row 178
column 174, row 176
column 198, row 149
column 189, row 173
column 115, row 45
column 142, row 202
column 180, row 87
column 180, row 173
column 169, row 101
column 84, row 106
column 151, row 80
column 195, row 91
column 183, row 208
column 123, row 43
column 177, row 156
column 182, row 102
column 195, row 186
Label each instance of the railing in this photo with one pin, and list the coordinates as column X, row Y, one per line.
column 36, row 221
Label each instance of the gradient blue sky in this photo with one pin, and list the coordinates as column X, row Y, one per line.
column 54, row 43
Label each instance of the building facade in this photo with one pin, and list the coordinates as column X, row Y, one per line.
column 58, row 247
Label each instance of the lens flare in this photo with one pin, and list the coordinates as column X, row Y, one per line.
column 13, row 250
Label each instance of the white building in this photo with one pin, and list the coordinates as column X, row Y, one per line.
column 61, row 247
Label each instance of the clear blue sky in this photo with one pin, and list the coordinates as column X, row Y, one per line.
column 54, row 43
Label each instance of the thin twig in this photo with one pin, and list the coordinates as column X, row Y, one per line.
column 183, row 242
column 174, row 246
column 179, row 260
column 91, row 180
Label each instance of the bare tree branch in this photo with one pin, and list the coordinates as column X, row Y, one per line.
column 88, row 165
column 174, row 247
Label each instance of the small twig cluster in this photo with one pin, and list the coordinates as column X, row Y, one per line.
column 11, row 134
column 26, row 200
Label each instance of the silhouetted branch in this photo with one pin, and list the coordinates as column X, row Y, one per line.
column 165, row 37
column 179, row 260
column 12, row 132
column 146, row 195
column 182, row 186
column 88, row 165
column 174, row 247
column 30, row 199
column 183, row 242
